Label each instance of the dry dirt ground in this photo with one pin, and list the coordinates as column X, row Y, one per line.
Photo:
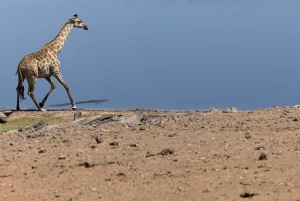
column 169, row 155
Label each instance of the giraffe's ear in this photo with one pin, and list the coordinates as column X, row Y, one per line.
column 75, row 16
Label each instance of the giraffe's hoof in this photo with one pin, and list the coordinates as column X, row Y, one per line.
column 74, row 107
column 41, row 104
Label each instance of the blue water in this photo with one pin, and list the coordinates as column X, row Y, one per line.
column 172, row 54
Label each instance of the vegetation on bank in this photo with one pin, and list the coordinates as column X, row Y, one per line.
column 17, row 124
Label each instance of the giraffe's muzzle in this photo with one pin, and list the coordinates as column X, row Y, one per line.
column 85, row 27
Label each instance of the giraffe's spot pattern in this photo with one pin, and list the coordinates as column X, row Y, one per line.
column 44, row 63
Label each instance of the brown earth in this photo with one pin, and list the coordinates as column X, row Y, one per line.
column 169, row 155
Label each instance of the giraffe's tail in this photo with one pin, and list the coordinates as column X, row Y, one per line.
column 20, row 87
column 22, row 93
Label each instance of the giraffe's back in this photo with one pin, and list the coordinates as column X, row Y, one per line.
column 38, row 64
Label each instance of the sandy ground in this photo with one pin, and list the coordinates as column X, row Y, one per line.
column 174, row 155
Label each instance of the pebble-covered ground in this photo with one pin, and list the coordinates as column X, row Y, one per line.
column 168, row 155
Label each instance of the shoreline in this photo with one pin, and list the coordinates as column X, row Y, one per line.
column 161, row 155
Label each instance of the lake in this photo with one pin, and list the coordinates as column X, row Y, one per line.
column 173, row 54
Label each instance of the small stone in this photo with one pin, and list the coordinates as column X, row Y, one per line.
column 259, row 147
column 172, row 135
column 98, row 140
column 77, row 115
column 262, row 156
column 247, row 195
column 42, row 151
column 166, row 152
column 206, row 191
column 149, row 155
column 247, row 136
column 60, row 157
column 2, row 120
column 87, row 165
column 2, row 115
column 230, row 110
column 114, row 144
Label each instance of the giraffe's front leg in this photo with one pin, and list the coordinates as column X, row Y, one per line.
column 61, row 80
column 31, row 84
column 50, row 90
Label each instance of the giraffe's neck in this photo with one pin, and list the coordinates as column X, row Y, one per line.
column 58, row 42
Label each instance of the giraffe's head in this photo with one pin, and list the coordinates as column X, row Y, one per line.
column 77, row 22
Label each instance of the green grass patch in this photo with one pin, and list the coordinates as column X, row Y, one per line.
column 17, row 124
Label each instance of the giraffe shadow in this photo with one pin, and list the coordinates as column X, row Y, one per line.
column 80, row 102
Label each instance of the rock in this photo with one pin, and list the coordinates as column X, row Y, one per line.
column 100, row 120
column 262, row 156
column 206, row 191
column 86, row 165
column 133, row 145
column 230, row 110
column 61, row 157
column 98, row 140
column 5, row 114
column 114, row 144
column 137, row 117
column 247, row 136
column 77, row 115
column 149, row 155
column 82, row 121
column 166, row 152
column 121, row 174
column 213, row 110
column 247, row 195
column 40, row 125
column 259, row 148
column 2, row 115
column 42, row 151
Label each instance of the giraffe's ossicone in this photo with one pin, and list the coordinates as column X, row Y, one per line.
column 44, row 64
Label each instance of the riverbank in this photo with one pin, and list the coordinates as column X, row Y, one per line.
column 160, row 155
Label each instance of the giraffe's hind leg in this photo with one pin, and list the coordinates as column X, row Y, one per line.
column 61, row 80
column 18, row 98
column 49, row 92
column 31, row 85
column 20, row 92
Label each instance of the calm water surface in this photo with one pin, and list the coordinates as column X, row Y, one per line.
column 159, row 54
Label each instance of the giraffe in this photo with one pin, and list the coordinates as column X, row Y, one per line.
column 44, row 64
